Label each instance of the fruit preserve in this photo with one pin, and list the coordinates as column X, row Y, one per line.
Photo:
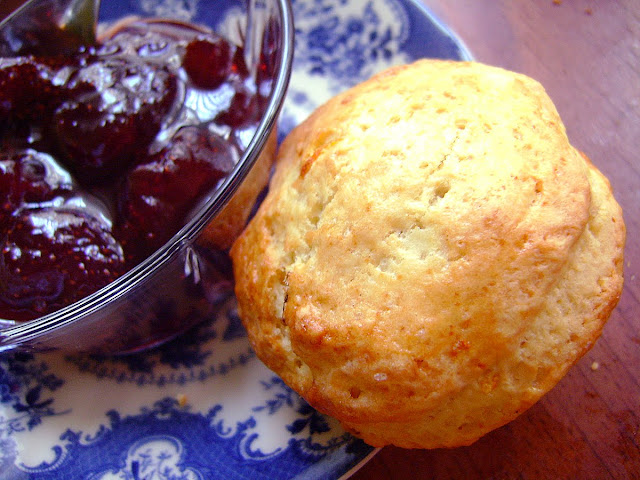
column 104, row 153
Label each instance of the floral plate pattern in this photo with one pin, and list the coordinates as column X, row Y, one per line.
column 203, row 406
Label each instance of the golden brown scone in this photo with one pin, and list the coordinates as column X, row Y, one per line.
column 432, row 256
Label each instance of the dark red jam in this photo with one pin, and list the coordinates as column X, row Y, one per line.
column 103, row 154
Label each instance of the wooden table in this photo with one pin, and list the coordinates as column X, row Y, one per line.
column 587, row 55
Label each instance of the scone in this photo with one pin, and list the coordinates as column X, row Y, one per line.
column 432, row 256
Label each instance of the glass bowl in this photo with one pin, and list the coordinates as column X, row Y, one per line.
column 186, row 280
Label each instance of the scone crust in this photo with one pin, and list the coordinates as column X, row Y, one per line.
column 432, row 256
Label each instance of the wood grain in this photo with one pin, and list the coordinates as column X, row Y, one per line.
column 8, row 6
column 587, row 55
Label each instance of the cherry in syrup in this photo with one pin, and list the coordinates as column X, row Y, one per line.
column 111, row 119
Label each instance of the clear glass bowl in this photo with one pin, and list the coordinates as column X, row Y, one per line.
column 185, row 281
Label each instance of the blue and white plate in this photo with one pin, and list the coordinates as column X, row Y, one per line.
column 203, row 406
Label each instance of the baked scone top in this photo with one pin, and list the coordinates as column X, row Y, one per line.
column 432, row 256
